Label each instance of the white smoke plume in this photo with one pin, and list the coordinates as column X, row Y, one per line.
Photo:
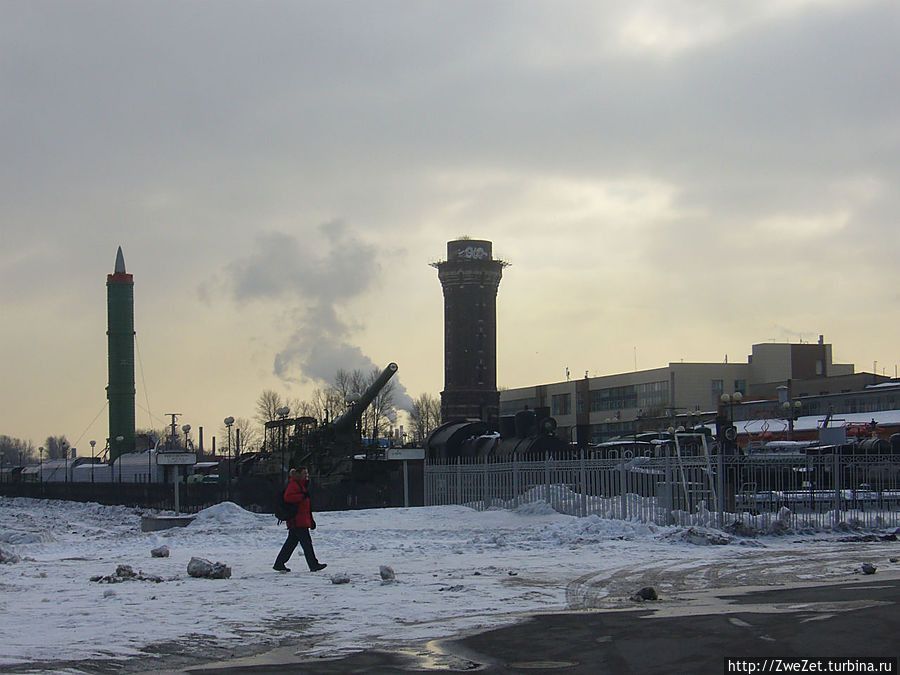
column 313, row 279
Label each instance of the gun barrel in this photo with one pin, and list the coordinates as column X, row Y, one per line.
column 356, row 410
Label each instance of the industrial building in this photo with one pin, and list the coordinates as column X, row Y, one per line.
column 784, row 380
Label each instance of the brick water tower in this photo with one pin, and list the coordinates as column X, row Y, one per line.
column 470, row 277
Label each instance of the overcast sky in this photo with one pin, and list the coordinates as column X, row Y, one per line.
column 671, row 180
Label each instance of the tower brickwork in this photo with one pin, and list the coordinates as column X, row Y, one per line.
column 470, row 277
column 120, row 350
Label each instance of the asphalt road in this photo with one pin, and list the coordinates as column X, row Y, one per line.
column 855, row 618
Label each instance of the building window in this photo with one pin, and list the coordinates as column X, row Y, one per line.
column 741, row 386
column 717, row 388
column 561, row 404
column 614, row 398
column 653, row 394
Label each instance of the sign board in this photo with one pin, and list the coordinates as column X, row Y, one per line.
column 176, row 458
column 405, row 453
column 833, row 435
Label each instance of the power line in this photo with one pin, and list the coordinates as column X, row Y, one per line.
column 75, row 444
column 137, row 350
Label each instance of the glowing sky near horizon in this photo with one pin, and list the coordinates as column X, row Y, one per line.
column 670, row 181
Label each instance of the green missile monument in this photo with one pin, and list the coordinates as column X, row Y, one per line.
column 120, row 340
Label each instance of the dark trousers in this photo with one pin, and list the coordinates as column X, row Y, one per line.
column 297, row 535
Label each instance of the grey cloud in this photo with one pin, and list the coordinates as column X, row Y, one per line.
column 302, row 94
column 331, row 265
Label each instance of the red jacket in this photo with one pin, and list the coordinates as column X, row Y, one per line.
column 297, row 492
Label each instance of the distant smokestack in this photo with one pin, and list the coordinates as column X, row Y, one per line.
column 120, row 351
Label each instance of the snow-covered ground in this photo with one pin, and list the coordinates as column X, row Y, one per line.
column 456, row 569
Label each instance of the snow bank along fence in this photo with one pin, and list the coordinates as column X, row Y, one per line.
column 768, row 492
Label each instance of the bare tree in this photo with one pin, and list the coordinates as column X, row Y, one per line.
column 304, row 409
column 16, row 451
column 425, row 416
column 328, row 403
column 349, row 384
column 154, row 433
column 267, row 406
column 243, row 431
column 56, row 447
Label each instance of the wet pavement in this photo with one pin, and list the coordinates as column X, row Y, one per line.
column 694, row 633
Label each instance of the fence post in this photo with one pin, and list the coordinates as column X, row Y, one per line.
column 583, row 468
column 670, row 486
column 515, row 463
column 623, row 488
column 458, row 498
column 720, row 489
column 486, row 492
column 836, row 472
column 547, row 475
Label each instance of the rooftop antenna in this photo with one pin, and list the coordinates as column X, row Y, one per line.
column 174, row 416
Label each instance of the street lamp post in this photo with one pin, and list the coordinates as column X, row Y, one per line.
column 93, row 443
column 187, row 442
column 41, row 451
column 228, row 422
column 65, row 451
column 729, row 432
column 792, row 413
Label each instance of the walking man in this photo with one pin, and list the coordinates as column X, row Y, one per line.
column 297, row 492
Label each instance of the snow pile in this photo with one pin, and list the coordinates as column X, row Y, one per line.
column 595, row 529
column 13, row 537
column 535, row 509
column 228, row 515
column 701, row 536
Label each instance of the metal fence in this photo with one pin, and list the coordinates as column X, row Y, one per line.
column 764, row 493
column 193, row 497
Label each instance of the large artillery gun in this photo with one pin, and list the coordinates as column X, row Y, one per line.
column 345, row 471
column 344, row 431
column 328, row 450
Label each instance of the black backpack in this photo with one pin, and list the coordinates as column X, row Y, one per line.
column 284, row 510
